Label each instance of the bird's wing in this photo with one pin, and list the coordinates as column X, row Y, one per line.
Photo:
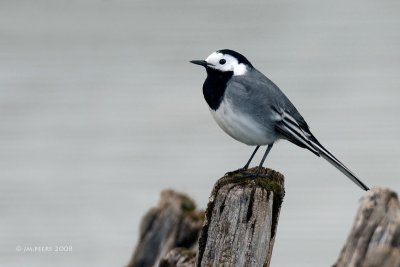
column 263, row 98
column 293, row 132
column 277, row 110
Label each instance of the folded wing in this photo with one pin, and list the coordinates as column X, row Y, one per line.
column 292, row 131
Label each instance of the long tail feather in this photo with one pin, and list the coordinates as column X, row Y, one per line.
column 290, row 129
column 340, row 166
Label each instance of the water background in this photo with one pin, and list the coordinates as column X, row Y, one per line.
column 100, row 110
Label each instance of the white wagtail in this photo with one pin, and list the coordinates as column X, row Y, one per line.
column 253, row 110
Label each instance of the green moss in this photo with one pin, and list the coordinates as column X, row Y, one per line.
column 268, row 179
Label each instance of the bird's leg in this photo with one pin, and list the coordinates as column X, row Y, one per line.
column 247, row 164
column 252, row 175
column 251, row 157
column 263, row 159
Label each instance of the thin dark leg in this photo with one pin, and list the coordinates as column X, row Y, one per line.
column 264, row 157
column 252, row 156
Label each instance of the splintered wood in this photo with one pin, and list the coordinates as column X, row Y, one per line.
column 374, row 240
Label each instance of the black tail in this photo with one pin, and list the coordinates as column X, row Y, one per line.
column 335, row 162
column 289, row 128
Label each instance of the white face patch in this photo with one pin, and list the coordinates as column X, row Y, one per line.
column 216, row 61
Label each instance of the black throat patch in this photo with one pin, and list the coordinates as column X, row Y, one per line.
column 214, row 86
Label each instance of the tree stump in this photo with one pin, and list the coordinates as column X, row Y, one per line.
column 179, row 257
column 374, row 240
column 173, row 223
column 241, row 220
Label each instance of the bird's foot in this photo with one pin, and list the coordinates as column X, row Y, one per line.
column 245, row 173
column 241, row 170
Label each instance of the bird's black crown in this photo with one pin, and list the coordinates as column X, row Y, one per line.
column 238, row 56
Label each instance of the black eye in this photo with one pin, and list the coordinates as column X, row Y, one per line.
column 222, row 61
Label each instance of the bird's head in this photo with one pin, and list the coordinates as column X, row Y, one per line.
column 226, row 60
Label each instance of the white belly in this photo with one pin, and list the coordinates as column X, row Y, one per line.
column 240, row 126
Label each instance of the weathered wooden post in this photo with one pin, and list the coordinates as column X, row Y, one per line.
column 175, row 222
column 374, row 240
column 241, row 220
column 239, row 228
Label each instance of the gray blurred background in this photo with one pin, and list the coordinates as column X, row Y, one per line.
column 100, row 110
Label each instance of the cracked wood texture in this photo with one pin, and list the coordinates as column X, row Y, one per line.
column 374, row 240
column 175, row 222
column 241, row 220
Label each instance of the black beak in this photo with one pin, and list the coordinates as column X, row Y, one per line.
column 199, row 62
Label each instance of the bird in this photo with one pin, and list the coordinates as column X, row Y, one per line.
column 252, row 109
